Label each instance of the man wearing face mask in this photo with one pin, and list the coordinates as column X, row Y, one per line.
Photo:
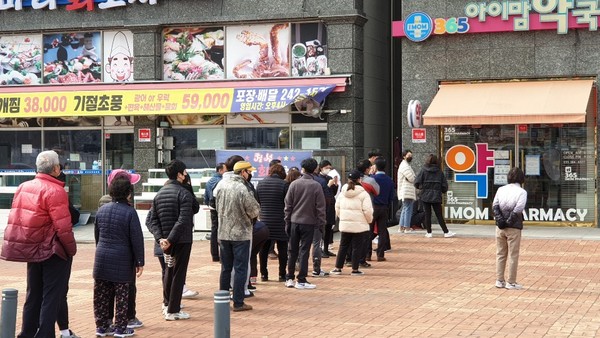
column 330, row 189
column 406, row 191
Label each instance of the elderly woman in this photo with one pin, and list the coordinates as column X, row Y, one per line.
column 119, row 257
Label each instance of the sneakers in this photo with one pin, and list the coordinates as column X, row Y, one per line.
column 103, row 332
column 513, row 286
column 364, row 265
column 289, row 283
column 127, row 332
column 187, row 294
column 177, row 316
column 134, row 323
column 381, row 259
column 331, row 254
column 336, row 271
column 357, row 273
column 320, row 274
column 429, row 235
column 305, row 285
column 408, row 230
column 71, row 335
column 246, row 295
column 253, row 279
column 500, row 284
column 251, row 287
column 244, row 307
column 449, row 234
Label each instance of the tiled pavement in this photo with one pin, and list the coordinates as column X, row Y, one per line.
column 427, row 288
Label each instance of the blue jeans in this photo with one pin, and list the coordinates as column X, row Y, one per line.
column 234, row 255
column 406, row 213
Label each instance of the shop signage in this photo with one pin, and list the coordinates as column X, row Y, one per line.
column 531, row 214
column 144, row 135
column 414, row 114
column 260, row 158
column 509, row 15
column 71, row 5
column 129, row 101
column 419, row 135
column 461, row 158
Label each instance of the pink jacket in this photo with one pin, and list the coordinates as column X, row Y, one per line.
column 39, row 223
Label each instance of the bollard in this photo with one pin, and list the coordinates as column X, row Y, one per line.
column 222, row 329
column 9, row 313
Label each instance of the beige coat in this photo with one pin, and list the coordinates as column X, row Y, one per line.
column 406, row 180
column 355, row 209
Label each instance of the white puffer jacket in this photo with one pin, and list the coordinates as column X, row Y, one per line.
column 406, row 180
column 355, row 209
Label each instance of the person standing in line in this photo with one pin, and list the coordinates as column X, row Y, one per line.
column 373, row 155
column 381, row 207
column 330, row 190
column 272, row 254
column 237, row 208
column 355, row 210
column 406, row 191
column 39, row 232
column 63, row 310
column 172, row 226
column 304, row 213
column 132, row 321
column 214, row 218
column 187, row 183
column 119, row 259
column 508, row 207
column 271, row 192
column 432, row 183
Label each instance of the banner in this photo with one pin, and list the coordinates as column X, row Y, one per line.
column 126, row 101
column 260, row 158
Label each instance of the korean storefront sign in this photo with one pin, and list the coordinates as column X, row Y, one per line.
column 126, row 101
column 71, row 5
column 260, row 158
column 503, row 16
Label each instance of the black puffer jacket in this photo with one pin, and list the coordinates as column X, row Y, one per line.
column 432, row 183
column 172, row 214
column 119, row 243
column 271, row 192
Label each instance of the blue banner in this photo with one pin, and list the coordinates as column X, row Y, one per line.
column 256, row 100
column 260, row 158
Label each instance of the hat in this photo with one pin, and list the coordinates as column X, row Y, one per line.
column 355, row 174
column 241, row 165
column 133, row 178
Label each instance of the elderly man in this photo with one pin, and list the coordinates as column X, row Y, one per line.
column 237, row 208
column 39, row 232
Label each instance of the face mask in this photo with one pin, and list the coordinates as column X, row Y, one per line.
column 249, row 176
column 326, row 171
column 409, row 159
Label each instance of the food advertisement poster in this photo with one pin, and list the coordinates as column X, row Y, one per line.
column 193, row 54
column 258, row 51
column 118, row 56
column 195, row 119
column 73, row 57
column 20, row 59
column 309, row 49
column 256, row 118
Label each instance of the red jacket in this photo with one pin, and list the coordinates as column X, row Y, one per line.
column 39, row 223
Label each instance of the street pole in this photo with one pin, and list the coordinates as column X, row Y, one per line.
column 222, row 323
column 9, row 313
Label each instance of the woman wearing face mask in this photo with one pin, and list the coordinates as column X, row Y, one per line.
column 406, row 191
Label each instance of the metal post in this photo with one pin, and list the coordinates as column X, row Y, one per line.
column 222, row 324
column 9, row 313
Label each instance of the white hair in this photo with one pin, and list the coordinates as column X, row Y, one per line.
column 45, row 161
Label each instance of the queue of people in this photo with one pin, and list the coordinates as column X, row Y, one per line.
column 292, row 210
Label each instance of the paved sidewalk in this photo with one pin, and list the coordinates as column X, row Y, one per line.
column 435, row 287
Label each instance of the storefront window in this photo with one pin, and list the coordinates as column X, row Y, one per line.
column 192, row 146
column 558, row 161
column 309, row 137
column 18, row 151
column 258, row 138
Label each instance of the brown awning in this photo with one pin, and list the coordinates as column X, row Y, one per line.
column 526, row 102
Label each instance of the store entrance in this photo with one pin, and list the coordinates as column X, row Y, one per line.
column 118, row 145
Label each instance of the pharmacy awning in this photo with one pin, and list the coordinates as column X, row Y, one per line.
column 164, row 98
column 518, row 102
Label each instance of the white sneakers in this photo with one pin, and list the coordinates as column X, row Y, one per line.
column 187, row 294
column 177, row 316
column 305, row 285
column 500, row 284
column 289, row 283
column 513, row 286
column 429, row 235
column 446, row 235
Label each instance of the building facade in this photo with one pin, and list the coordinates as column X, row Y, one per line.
column 502, row 84
column 133, row 84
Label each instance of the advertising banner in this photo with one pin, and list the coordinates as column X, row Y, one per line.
column 309, row 49
column 125, row 102
column 20, row 59
column 118, row 56
column 260, row 158
column 73, row 57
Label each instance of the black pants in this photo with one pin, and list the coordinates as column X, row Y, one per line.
column 380, row 216
column 259, row 238
column 282, row 249
column 62, row 318
column 175, row 277
column 437, row 208
column 327, row 237
column 214, row 229
column 353, row 242
column 46, row 286
column 301, row 237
